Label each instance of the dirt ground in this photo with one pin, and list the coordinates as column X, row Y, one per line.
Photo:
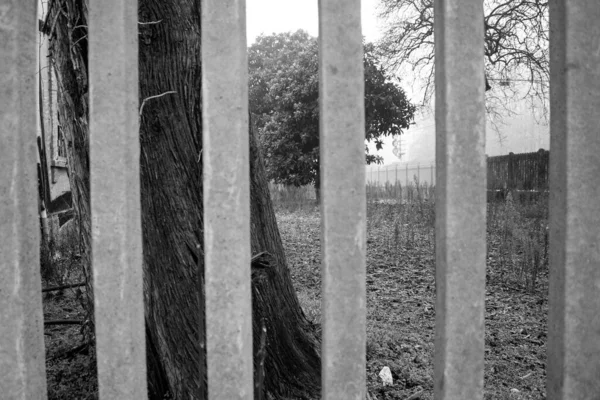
column 70, row 369
column 400, row 301
column 401, row 297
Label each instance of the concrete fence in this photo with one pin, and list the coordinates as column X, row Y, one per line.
column 574, row 324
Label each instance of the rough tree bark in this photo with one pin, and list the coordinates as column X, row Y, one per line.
column 171, row 190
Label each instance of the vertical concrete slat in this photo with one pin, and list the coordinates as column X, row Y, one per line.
column 460, row 199
column 22, row 361
column 343, row 207
column 115, row 199
column 226, row 200
column 574, row 317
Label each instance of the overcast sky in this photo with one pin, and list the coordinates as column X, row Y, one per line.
column 276, row 16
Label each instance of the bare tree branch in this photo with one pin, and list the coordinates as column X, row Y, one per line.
column 516, row 46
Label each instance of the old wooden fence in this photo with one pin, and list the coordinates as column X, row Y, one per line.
column 574, row 321
column 525, row 171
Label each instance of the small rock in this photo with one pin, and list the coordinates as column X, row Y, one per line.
column 386, row 376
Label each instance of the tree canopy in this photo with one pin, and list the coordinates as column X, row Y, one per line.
column 516, row 45
column 284, row 96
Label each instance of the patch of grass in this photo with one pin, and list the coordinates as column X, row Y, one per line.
column 518, row 243
column 401, row 294
column 400, row 299
column 292, row 198
column 311, row 305
column 60, row 259
column 413, row 191
column 70, row 374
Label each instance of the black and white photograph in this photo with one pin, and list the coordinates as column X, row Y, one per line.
column 299, row 200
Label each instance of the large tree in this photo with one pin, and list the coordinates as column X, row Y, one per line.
column 284, row 95
column 515, row 43
column 171, row 195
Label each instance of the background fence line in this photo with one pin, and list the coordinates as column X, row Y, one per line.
column 404, row 174
column 524, row 171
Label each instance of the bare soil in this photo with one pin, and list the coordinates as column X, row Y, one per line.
column 401, row 297
column 400, row 301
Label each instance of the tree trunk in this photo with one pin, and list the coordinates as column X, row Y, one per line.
column 171, row 191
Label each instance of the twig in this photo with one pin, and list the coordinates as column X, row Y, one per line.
column 72, row 352
column 55, row 288
column 415, row 395
column 79, row 40
column 153, row 97
column 63, row 322
column 55, row 18
column 526, row 376
column 150, row 22
column 261, row 355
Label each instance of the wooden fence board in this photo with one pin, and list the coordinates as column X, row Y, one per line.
column 525, row 171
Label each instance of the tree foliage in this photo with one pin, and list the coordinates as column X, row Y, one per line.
column 515, row 43
column 284, row 96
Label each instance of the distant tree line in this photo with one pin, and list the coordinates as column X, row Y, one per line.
column 284, row 98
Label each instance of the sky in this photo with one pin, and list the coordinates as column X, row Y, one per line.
column 276, row 16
